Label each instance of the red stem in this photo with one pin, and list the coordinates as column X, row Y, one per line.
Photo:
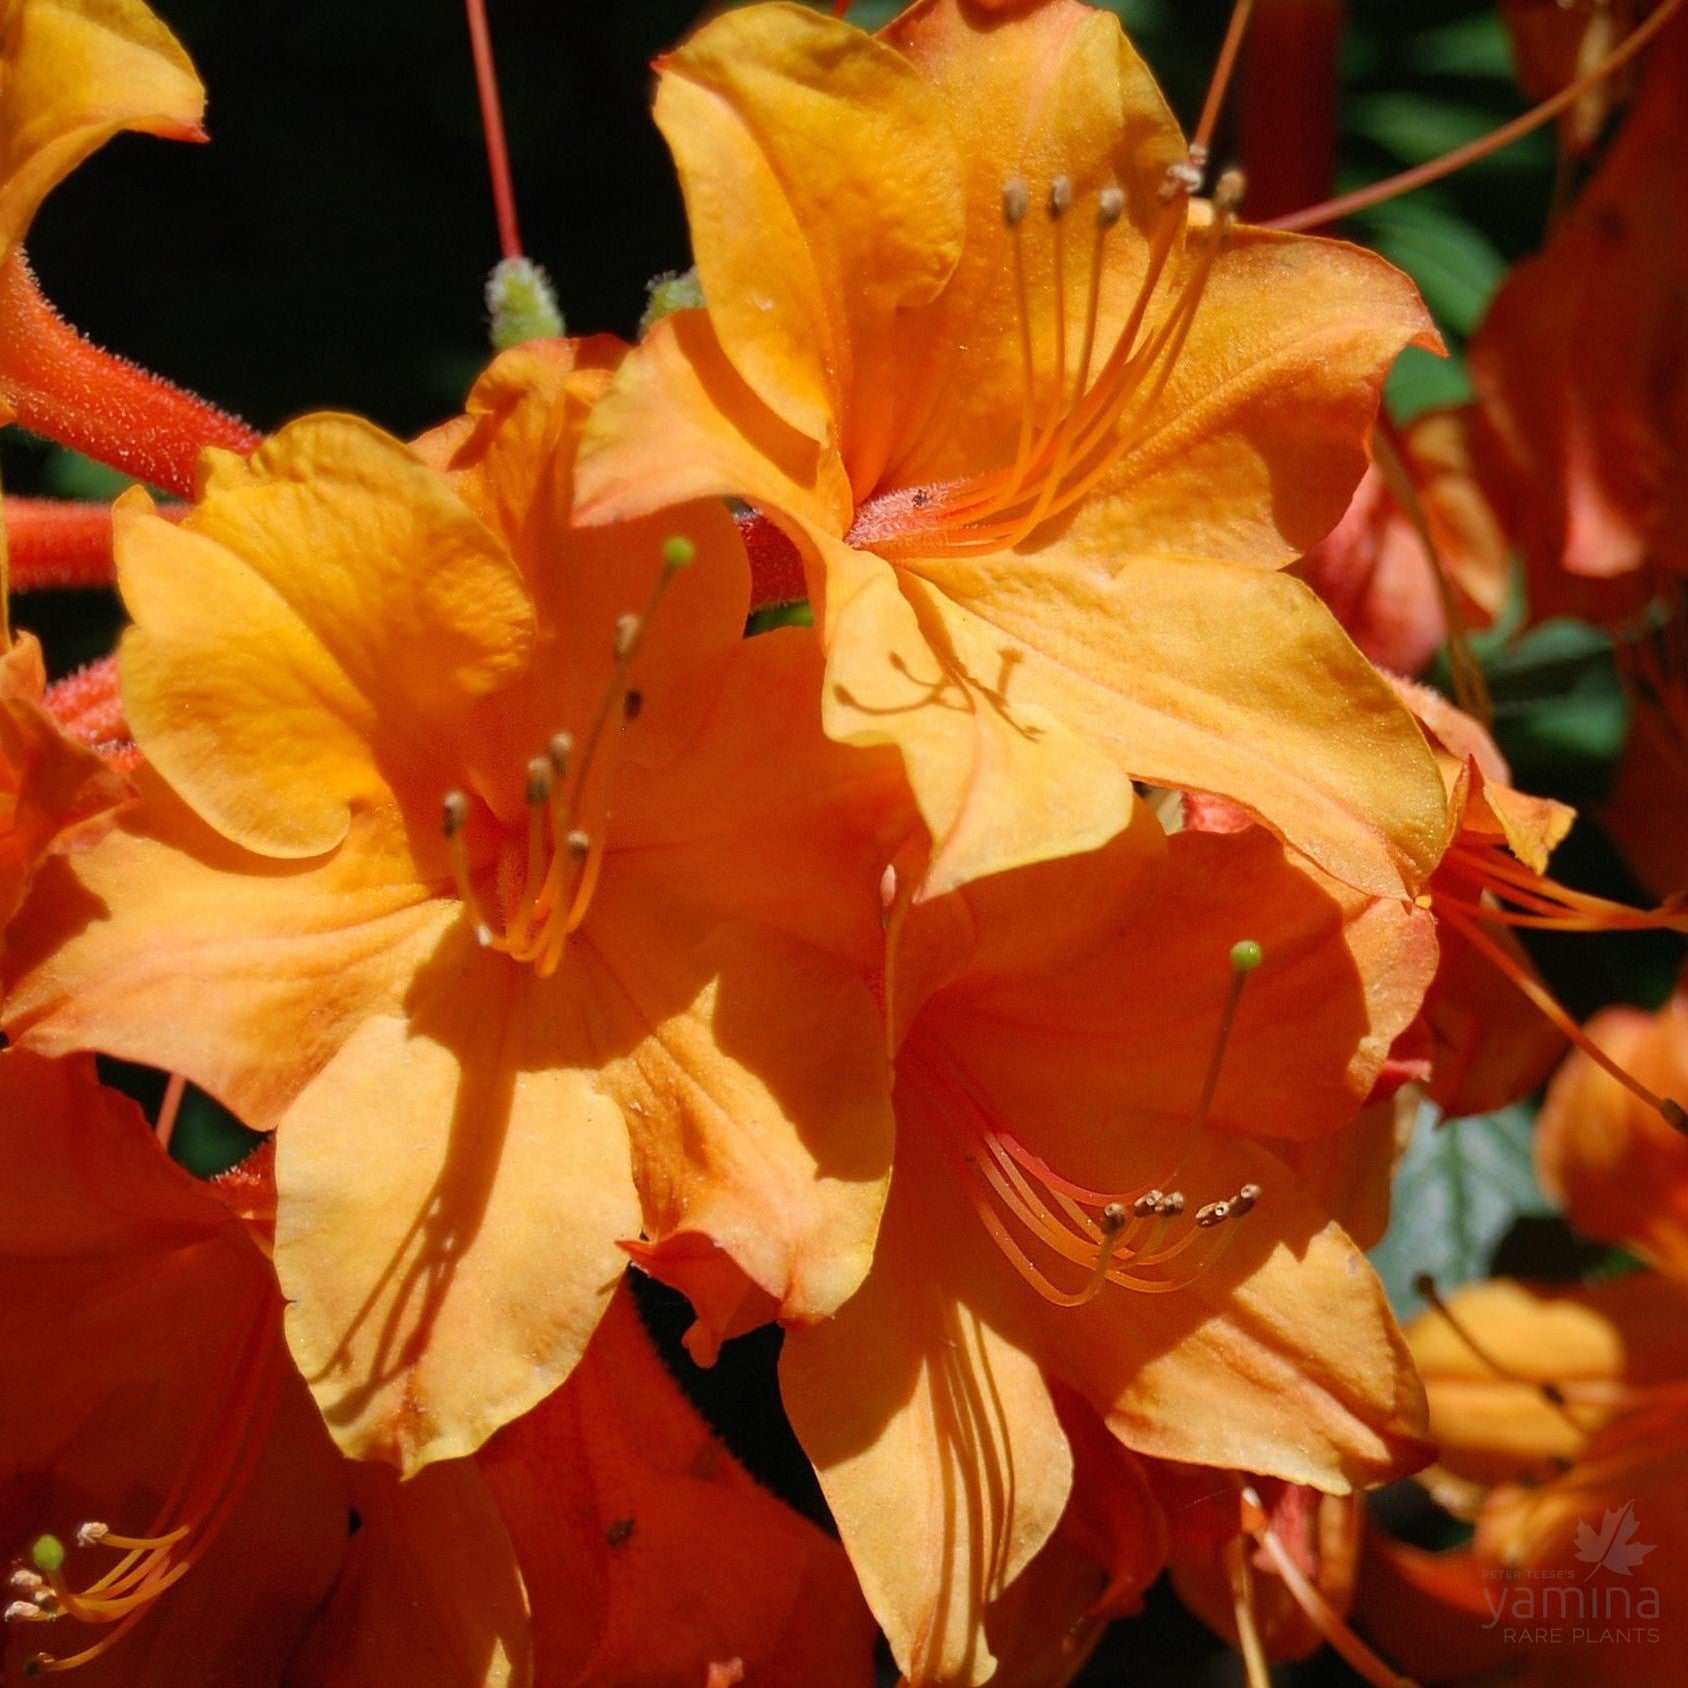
column 61, row 544
column 64, row 388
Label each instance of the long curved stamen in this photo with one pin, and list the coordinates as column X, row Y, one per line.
column 225, row 1448
column 1433, row 171
column 1257, row 1521
column 567, row 798
column 1202, row 141
column 1136, row 1239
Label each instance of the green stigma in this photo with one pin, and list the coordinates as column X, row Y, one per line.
column 522, row 304
column 673, row 290
column 678, row 551
column 1246, row 955
column 48, row 1554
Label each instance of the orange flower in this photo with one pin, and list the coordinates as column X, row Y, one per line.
column 1583, row 455
column 1618, row 1169
column 1080, row 1197
column 661, row 1026
column 1418, row 534
column 1043, row 426
column 72, row 74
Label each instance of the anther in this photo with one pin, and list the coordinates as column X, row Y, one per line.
column 1060, row 196
column 1171, row 1205
column 1228, row 194
column 627, row 630
column 91, row 1533
column 1016, row 202
column 456, row 813
column 579, row 844
column 540, row 781
column 1213, row 1213
column 1183, row 177
column 631, row 704
column 1114, row 1216
column 1110, row 207
column 678, row 552
column 1243, row 1201
column 24, row 1581
column 558, row 752
column 1147, row 1206
column 23, row 1611
column 1675, row 1115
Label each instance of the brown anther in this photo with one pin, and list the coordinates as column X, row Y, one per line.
column 1199, row 156
column 539, row 781
column 558, row 752
column 579, row 844
column 1148, row 1205
column 1214, row 1213
column 631, row 704
column 1060, row 196
column 1114, row 1216
column 1110, row 207
column 456, row 813
column 1171, row 1205
column 627, row 630
column 1016, row 202
column 91, row 1533
column 1243, row 1201
column 1675, row 1115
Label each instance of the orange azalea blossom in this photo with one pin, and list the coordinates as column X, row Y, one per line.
column 618, row 992
column 1043, row 426
column 1562, row 1415
column 1081, row 1200
column 53, row 791
column 1418, row 541
column 1583, row 456
column 1621, row 1172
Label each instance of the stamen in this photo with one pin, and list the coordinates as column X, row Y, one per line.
column 1257, row 1521
column 1241, row 1574
column 454, row 822
column 1221, row 81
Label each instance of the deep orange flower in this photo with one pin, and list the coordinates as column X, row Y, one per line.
column 1043, row 427
column 1082, row 1199
column 1418, row 539
column 1584, row 454
column 661, row 1027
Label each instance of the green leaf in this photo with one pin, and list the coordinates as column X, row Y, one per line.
column 1421, row 381
column 1416, row 129
column 1460, row 1187
column 1473, row 46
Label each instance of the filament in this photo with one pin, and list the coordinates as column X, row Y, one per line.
column 492, row 126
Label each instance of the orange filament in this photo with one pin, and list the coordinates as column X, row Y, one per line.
column 568, row 799
column 1221, row 81
column 232, row 1432
column 168, row 1109
column 1241, row 1575
column 1086, row 415
column 1257, row 1522
column 1474, row 874
column 1497, row 139
column 1137, row 1239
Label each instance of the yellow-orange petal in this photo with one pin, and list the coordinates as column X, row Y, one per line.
column 1619, row 1170
column 75, row 73
column 169, row 945
column 430, row 1594
column 933, row 1433
column 823, row 196
column 651, row 1556
column 999, row 779
column 1213, row 677
column 450, row 1190
column 382, row 606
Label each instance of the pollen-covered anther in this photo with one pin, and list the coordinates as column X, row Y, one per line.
column 579, row 844
column 558, row 752
column 28, row 1611
column 1016, row 202
column 627, row 631
column 1060, row 197
column 1228, row 195
column 1183, row 177
column 541, row 778
column 1114, row 1218
column 91, row 1533
column 1110, row 207
column 25, row 1581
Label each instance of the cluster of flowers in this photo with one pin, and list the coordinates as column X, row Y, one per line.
column 1013, row 984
